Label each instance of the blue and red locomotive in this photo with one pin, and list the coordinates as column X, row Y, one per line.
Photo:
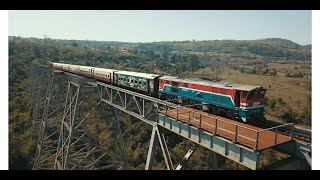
column 225, row 99
column 231, row 100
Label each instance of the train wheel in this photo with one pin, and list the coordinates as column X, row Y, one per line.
column 231, row 114
column 219, row 112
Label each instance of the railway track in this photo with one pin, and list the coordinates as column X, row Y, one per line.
column 299, row 134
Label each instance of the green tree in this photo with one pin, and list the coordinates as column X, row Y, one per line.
column 193, row 62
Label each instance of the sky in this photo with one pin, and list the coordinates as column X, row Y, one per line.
column 150, row 26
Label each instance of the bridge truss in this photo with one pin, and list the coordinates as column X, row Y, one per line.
column 67, row 111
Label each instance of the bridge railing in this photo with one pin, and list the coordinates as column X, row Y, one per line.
column 276, row 131
column 217, row 126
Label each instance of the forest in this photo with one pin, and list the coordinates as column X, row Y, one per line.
column 185, row 58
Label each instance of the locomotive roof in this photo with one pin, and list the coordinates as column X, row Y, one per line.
column 225, row 85
column 138, row 74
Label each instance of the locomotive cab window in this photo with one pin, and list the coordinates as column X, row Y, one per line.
column 244, row 94
column 262, row 93
column 252, row 94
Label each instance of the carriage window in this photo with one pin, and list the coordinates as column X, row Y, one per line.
column 174, row 83
column 167, row 82
column 139, row 82
column 136, row 82
column 185, row 84
column 244, row 94
column 131, row 80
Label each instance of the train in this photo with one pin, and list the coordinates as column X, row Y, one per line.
column 234, row 101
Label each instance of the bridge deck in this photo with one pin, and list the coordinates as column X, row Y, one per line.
column 244, row 134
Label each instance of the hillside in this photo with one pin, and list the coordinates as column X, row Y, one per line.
column 271, row 48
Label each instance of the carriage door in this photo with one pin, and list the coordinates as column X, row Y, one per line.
column 237, row 98
column 115, row 77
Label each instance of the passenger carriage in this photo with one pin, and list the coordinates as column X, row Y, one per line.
column 141, row 82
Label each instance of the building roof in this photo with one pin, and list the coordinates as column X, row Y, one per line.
column 138, row 74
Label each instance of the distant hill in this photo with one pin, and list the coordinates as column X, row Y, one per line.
column 307, row 47
column 282, row 42
column 271, row 48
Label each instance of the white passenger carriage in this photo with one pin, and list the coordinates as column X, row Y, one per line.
column 85, row 71
column 102, row 74
column 58, row 66
column 66, row 67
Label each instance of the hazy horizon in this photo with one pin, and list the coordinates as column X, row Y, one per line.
column 160, row 26
column 164, row 41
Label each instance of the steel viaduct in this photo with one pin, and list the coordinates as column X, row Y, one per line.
column 65, row 108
